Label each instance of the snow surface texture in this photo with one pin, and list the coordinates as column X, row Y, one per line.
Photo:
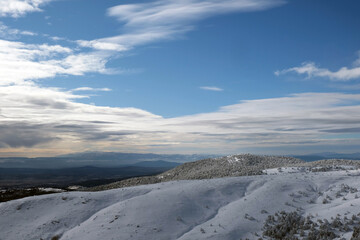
column 223, row 208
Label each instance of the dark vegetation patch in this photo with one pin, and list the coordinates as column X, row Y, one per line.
column 12, row 194
column 293, row 226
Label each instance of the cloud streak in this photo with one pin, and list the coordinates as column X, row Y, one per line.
column 91, row 89
column 208, row 88
column 311, row 70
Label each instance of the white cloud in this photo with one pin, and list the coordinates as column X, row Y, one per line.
column 18, row 8
column 38, row 61
column 79, row 64
column 90, row 89
column 57, row 38
column 208, row 88
column 312, row 70
column 31, row 59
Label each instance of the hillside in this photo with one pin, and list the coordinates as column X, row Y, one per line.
column 235, row 165
column 297, row 199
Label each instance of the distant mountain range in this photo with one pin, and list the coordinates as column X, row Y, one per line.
column 328, row 155
column 100, row 159
column 86, row 169
column 85, row 176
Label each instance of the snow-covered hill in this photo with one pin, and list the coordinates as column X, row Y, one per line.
column 223, row 208
column 228, row 166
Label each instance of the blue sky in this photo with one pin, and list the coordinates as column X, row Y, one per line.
column 187, row 76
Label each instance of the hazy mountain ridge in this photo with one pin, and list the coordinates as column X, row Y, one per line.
column 328, row 155
column 97, row 159
column 85, row 176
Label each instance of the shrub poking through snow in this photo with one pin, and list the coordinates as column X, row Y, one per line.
column 283, row 225
column 356, row 233
column 291, row 226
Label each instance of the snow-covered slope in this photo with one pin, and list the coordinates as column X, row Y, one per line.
column 224, row 208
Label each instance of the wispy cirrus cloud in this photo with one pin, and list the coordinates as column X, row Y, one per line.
column 18, row 8
column 174, row 14
column 310, row 69
column 212, row 88
column 165, row 19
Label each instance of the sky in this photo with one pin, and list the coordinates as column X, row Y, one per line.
column 179, row 76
